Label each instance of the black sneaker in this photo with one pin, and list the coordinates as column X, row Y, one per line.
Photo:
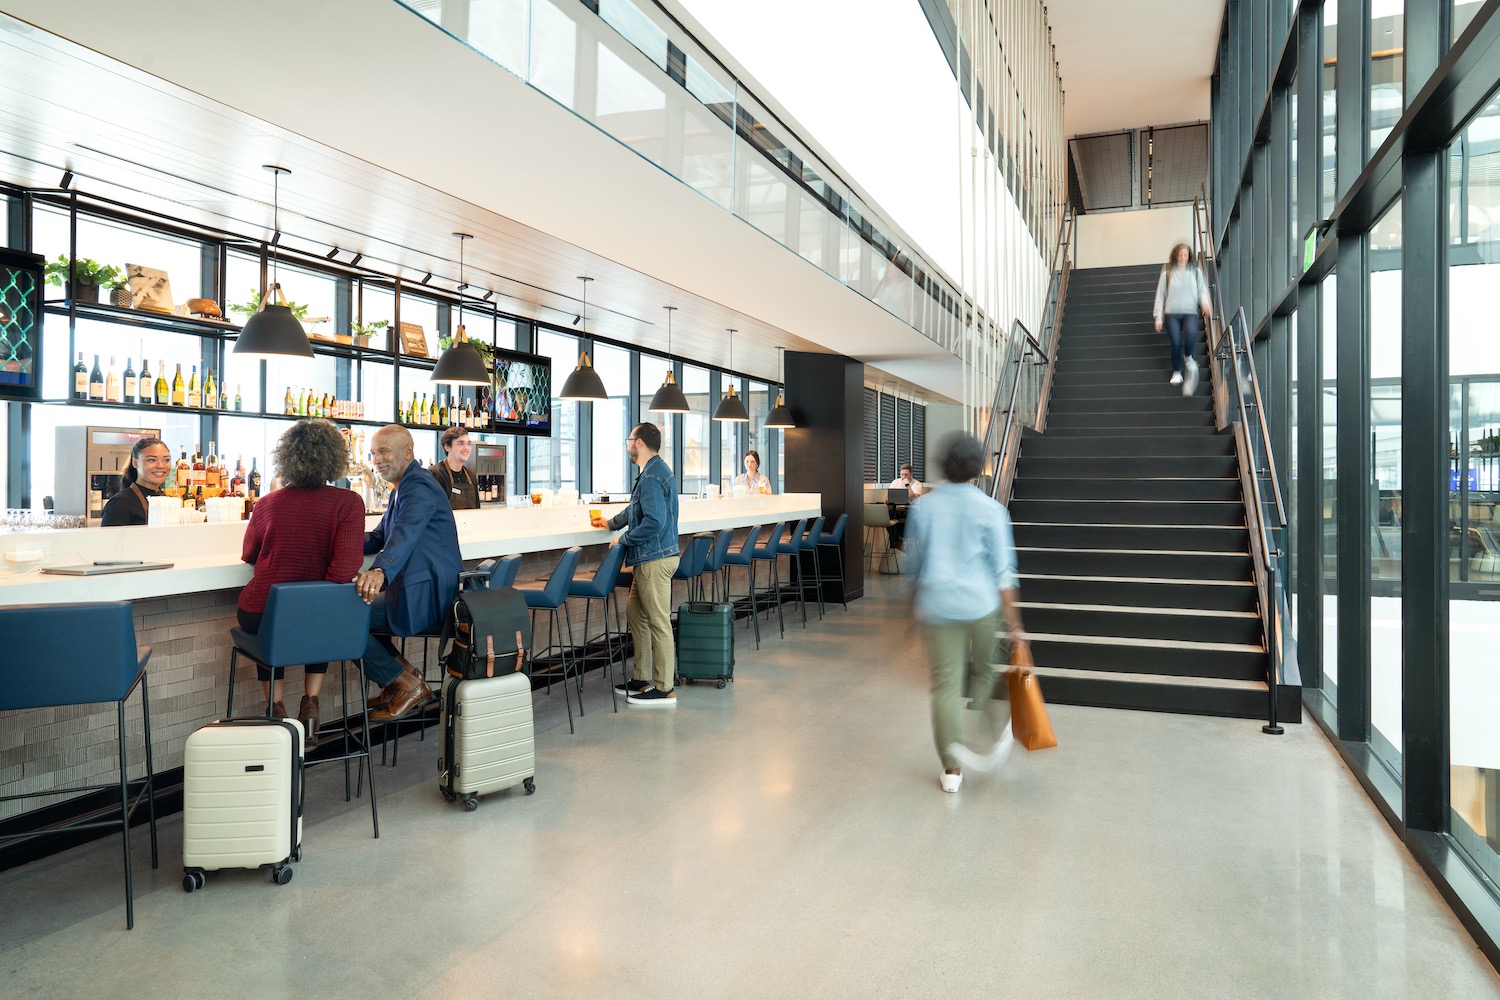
column 632, row 687
column 654, row 698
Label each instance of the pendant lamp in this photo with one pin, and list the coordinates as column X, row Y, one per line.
column 731, row 407
column 584, row 383
column 779, row 417
column 274, row 332
column 669, row 398
column 461, row 364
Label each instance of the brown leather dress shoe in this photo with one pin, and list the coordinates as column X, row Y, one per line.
column 307, row 714
column 384, row 697
column 411, row 692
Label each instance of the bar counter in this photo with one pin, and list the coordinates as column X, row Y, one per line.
column 185, row 614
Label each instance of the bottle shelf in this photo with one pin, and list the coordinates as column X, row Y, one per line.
column 153, row 407
column 141, row 318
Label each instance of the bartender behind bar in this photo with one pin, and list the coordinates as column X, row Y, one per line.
column 150, row 462
column 453, row 474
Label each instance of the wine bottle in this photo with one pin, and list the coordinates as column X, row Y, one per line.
column 130, row 383
column 179, row 388
column 96, row 381
column 194, row 390
column 163, row 393
column 211, row 475
column 412, row 411
column 143, row 384
column 112, row 392
column 199, row 473
column 252, row 483
column 184, row 472
column 80, row 379
column 239, row 404
column 210, row 390
column 237, row 481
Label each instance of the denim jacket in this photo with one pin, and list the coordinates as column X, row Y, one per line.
column 652, row 516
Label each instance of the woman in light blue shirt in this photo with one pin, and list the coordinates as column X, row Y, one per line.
column 962, row 557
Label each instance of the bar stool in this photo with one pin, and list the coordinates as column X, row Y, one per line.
column 690, row 564
column 600, row 586
column 744, row 556
column 792, row 546
column 552, row 597
column 714, row 565
column 834, row 540
column 505, row 570
column 111, row 671
column 808, row 546
column 313, row 623
column 877, row 525
column 766, row 553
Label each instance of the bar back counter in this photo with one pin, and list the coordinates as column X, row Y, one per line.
column 185, row 614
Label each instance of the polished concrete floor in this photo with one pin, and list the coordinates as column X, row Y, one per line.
column 786, row 838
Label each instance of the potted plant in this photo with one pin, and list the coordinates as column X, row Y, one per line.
column 84, row 277
column 250, row 308
column 365, row 332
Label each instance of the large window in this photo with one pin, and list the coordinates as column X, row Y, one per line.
column 612, row 421
column 1387, row 68
column 1329, row 320
column 1385, row 488
column 554, row 460
column 693, row 475
column 1330, row 104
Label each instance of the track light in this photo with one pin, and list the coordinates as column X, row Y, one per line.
column 67, row 179
column 276, row 238
column 357, row 258
column 575, row 320
column 488, row 296
column 426, row 277
column 332, row 254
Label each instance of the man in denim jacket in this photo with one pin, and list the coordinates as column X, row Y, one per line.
column 651, row 548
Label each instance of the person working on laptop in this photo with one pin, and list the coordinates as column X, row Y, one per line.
column 904, row 480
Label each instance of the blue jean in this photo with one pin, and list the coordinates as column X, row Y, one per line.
column 1182, row 331
column 380, row 663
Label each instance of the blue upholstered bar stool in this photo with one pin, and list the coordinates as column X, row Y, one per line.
column 791, row 546
column 552, row 597
column 766, row 552
column 835, row 541
column 690, row 563
column 505, row 570
column 744, row 556
column 808, row 554
column 714, row 565
column 600, row 586
column 313, row 623
column 112, row 669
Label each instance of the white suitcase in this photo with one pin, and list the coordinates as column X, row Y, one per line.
column 242, row 798
column 488, row 737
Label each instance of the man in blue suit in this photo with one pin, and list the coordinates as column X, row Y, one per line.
column 414, row 578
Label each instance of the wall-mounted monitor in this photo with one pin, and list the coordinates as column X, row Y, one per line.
column 520, row 394
column 20, row 325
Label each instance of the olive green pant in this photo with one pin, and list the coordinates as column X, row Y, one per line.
column 649, row 613
column 949, row 645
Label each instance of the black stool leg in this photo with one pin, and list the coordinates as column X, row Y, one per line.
column 150, row 786
column 364, row 717
column 125, row 820
column 234, row 656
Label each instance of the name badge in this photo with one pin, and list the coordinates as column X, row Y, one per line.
column 457, row 492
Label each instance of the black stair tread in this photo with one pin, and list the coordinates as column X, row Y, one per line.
column 1243, row 584
column 1127, row 525
column 1169, row 680
column 1128, row 609
column 1191, row 645
column 1242, row 553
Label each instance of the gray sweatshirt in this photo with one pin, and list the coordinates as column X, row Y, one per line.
column 1186, row 292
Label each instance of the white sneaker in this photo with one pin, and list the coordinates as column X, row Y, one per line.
column 950, row 782
column 1176, row 379
column 1190, row 384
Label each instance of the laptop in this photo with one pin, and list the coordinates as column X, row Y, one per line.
column 899, row 495
column 104, row 568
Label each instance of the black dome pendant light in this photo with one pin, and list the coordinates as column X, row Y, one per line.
column 274, row 332
column 669, row 398
column 584, row 383
column 461, row 363
column 780, row 418
column 731, row 407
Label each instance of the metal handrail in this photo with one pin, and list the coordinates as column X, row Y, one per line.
column 1232, row 344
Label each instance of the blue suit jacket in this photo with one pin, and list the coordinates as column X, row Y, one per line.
column 417, row 542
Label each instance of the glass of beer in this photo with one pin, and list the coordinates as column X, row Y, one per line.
column 595, row 514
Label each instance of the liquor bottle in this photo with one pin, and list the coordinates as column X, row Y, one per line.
column 199, row 473
column 194, row 390
column 184, row 472
column 171, row 482
column 143, row 384
column 210, row 390
column 96, row 381
column 130, row 383
column 239, row 404
column 211, row 475
column 289, row 403
column 179, row 388
column 198, row 503
column 301, row 410
column 80, row 379
column 252, row 482
column 237, row 481
column 163, row 393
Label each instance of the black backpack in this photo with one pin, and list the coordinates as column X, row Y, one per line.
column 490, row 632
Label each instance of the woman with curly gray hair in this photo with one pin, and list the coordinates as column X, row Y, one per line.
column 307, row 530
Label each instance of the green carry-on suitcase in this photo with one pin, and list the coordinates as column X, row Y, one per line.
column 705, row 642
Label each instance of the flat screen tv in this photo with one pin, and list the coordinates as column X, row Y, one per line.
column 20, row 325
column 520, row 394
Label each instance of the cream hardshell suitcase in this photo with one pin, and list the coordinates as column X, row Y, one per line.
column 242, row 798
column 488, row 737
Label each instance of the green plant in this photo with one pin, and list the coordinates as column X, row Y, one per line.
column 486, row 351
column 88, row 272
column 370, row 329
column 248, row 309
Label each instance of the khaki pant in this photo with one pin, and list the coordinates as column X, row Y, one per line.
column 649, row 614
column 949, row 645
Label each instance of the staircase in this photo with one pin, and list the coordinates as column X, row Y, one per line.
column 1134, row 556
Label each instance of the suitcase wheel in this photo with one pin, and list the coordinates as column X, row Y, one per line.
column 530, row 785
column 471, row 802
column 448, row 796
column 722, row 682
column 297, row 853
column 193, row 878
column 281, row 874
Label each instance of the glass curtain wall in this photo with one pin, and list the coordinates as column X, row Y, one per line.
column 1329, row 331
column 693, row 475
column 1384, row 561
column 553, row 461
column 611, row 467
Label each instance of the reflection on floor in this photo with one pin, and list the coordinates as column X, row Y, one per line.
column 786, row 837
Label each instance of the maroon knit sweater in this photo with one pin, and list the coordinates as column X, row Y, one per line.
column 300, row 535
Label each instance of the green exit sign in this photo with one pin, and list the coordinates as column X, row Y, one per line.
column 1309, row 248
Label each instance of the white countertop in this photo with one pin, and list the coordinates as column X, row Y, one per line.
column 206, row 557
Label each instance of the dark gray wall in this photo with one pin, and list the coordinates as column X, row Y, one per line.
column 825, row 451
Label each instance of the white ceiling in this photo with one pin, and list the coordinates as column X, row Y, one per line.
column 182, row 126
column 1132, row 63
